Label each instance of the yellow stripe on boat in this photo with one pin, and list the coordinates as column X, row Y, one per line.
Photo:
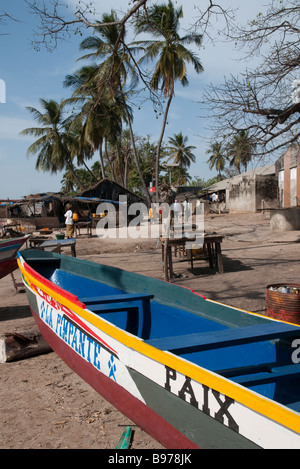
column 268, row 408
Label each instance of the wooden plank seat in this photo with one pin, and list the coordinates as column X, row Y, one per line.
column 46, row 260
column 122, row 301
column 226, row 337
column 275, row 374
column 111, row 307
column 295, row 406
column 120, row 297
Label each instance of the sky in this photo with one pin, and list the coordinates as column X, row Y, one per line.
column 27, row 75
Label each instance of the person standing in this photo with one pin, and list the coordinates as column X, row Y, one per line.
column 186, row 209
column 69, row 222
column 177, row 210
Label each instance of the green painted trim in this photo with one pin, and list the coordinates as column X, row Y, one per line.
column 165, row 293
column 197, row 426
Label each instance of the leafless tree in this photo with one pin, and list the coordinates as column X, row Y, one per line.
column 264, row 101
column 57, row 23
column 4, row 16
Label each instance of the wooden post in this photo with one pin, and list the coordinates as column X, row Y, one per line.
column 166, row 259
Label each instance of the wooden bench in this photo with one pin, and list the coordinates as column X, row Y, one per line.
column 124, row 302
column 120, row 297
column 60, row 244
column 295, row 406
column 275, row 374
column 44, row 260
column 226, row 337
column 132, row 323
column 83, row 224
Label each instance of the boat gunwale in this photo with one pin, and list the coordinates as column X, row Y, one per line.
column 267, row 407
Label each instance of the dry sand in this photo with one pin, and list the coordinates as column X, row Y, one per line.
column 43, row 404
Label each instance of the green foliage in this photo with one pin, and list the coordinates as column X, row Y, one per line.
column 179, row 151
column 200, row 182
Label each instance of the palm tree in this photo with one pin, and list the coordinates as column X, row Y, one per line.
column 91, row 115
column 181, row 153
column 106, row 85
column 80, row 147
column 70, row 185
column 53, row 144
column 240, row 150
column 162, row 21
column 216, row 159
column 180, row 176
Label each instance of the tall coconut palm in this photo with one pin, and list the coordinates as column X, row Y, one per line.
column 240, row 150
column 217, row 158
column 108, row 83
column 162, row 21
column 80, row 148
column 53, row 144
column 91, row 112
column 181, row 153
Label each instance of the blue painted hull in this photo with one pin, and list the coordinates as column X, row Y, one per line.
column 192, row 365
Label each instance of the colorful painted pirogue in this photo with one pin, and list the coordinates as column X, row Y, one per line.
column 8, row 254
column 191, row 372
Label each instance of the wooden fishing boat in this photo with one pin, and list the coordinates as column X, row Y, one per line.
column 8, row 254
column 191, row 372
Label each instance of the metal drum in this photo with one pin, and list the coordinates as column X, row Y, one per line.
column 283, row 302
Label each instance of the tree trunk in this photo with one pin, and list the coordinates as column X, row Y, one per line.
column 121, row 172
column 159, row 143
column 136, row 160
column 135, row 156
column 71, row 168
column 126, row 172
column 88, row 169
column 101, row 162
column 110, row 162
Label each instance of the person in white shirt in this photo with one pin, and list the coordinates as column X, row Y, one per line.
column 69, row 222
column 214, row 197
column 177, row 209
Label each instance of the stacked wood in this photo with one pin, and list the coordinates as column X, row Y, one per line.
column 19, row 345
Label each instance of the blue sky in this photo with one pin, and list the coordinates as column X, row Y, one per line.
column 30, row 75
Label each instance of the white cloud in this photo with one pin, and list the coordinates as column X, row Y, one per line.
column 10, row 128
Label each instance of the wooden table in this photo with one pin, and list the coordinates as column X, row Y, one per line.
column 211, row 246
column 83, row 224
column 37, row 241
column 58, row 244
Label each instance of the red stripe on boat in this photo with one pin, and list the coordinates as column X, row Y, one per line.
column 58, row 306
column 132, row 407
column 68, row 296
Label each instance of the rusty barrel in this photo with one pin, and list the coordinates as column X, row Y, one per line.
column 283, row 306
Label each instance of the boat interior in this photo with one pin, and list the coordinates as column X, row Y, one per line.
column 258, row 355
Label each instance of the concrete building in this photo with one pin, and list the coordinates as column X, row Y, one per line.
column 287, row 169
column 250, row 191
column 287, row 217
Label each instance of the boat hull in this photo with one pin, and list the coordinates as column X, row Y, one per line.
column 7, row 267
column 214, row 436
column 8, row 254
column 178, row 403
column 130, row 406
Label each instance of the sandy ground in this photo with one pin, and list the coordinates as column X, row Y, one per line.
column 43, row 404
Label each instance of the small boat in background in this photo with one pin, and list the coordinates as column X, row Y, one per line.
column 8, row 254
column 193, row 373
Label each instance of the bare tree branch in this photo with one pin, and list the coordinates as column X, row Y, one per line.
column 262, row 101
column 56, row 23
column 3, row 17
